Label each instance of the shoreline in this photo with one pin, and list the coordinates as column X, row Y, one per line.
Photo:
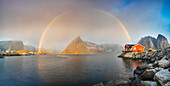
column 155, row 73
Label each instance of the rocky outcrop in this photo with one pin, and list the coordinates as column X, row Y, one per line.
column 156, row 72
column 15, row 45
column 162, row 77
column 151, row 42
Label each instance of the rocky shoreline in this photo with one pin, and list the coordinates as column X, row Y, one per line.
column 155, row 73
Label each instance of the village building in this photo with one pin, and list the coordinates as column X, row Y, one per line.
column 128, row 47
column 134, row 48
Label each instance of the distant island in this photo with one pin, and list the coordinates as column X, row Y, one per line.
column 16, row 48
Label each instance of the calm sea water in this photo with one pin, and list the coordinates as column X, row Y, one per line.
column 62, row 70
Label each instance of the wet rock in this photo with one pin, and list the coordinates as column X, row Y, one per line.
column 132, row 78
column 145, row 57
column 125, row 83
column 150, row 66
column 162, row 77
column 136, row 71
column 135, row 82
column 99, row 84
column 152, row 60
column 160, row 55
column 167, row 84
column 142, row 67
column 148, row 74
column 155, row 64
column 158, row 69
column 148, row 83
column 164, row 63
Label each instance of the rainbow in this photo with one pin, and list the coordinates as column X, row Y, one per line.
column 121, row 24
column 63, row 13
column 47, row 28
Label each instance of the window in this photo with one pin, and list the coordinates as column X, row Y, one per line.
column 134, row 48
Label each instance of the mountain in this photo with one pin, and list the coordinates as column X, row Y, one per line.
column 162, row 42
column 15, row 45
column 30, row 48
column 155, row 43
column 94, row 48
column 77, row 46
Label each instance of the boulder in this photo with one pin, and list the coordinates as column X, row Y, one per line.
column 160, row 55
column 162, row 77
column 142, row 67
column 155, row 64
column 148, row 74
column 136, row 71
column 167, row 84
column 164, row 63
column 152, row 60
column 135, row 82
column 148, row 83
column 145, row 57
column 158, row 69
column 150, row 66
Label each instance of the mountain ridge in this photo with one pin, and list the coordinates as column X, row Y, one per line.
column 78, row 46
column 155, row 43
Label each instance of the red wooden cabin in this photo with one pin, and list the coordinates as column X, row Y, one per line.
column 138, row 48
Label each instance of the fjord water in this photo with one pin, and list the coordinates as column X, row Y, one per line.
column 64, row 70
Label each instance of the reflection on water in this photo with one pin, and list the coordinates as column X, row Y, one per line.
column 131, row 65
column 52, row 70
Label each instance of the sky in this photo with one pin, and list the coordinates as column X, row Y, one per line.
column 26, row 20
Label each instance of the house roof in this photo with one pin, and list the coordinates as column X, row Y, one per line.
column 140, row 45
column 130, row 45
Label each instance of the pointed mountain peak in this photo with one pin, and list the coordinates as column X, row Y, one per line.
column 78, row 37
column 161, row 36
column 77, row 46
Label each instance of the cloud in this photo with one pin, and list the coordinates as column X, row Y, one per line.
column 26, row 20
